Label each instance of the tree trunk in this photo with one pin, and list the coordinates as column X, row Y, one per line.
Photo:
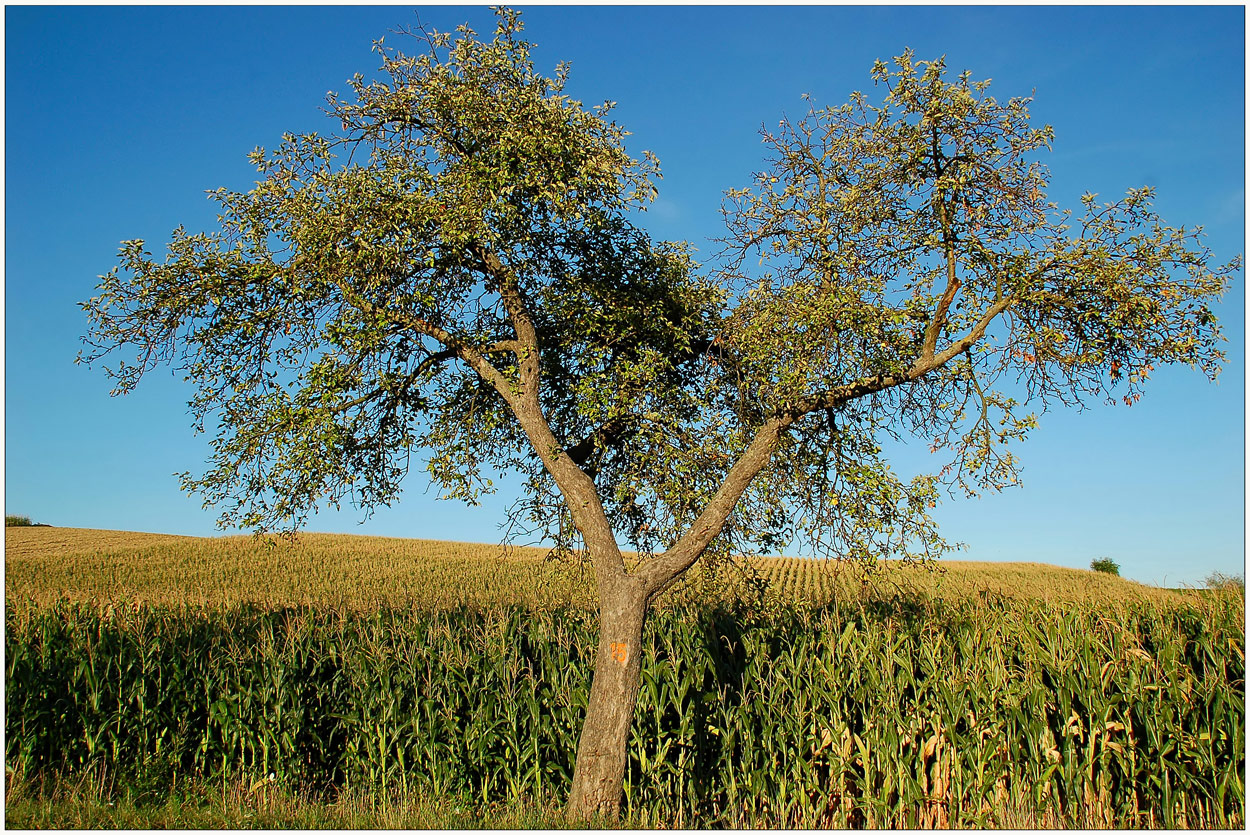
column 599, row 772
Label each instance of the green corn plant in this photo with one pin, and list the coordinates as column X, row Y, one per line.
column 846, row 715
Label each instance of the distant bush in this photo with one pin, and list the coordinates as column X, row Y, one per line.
column 1106, row 565
column 17, row 522
column 1226, row 582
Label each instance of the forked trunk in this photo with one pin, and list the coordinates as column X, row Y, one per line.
column 599, row 773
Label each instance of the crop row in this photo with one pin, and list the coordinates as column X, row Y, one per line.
column 879, row 715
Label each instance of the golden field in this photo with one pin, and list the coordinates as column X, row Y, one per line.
column 44, row 564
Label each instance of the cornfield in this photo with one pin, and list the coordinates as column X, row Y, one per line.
column 887, row 711
column 43, row 565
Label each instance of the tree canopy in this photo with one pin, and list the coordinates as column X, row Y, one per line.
column 466, row 233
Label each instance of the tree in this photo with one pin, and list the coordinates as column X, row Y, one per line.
column 456, row 269
column 1105, row 565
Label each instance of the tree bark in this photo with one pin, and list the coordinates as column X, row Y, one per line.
column 599, row 772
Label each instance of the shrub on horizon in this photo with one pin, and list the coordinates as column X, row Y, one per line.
column 1226, row 582
column 1106, row 565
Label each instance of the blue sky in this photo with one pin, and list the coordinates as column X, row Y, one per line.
column 118, row 121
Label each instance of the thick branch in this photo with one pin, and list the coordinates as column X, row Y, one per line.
column 436, row 358
column 948, row 244
column 514, row 302
column 939, row 316
column 470, row 355
column 835, row 397
column 575, row 485
column 662, row 571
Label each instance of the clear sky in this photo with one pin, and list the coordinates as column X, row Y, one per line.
column 117, row 120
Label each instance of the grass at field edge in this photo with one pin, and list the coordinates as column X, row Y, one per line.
column 85, row 804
